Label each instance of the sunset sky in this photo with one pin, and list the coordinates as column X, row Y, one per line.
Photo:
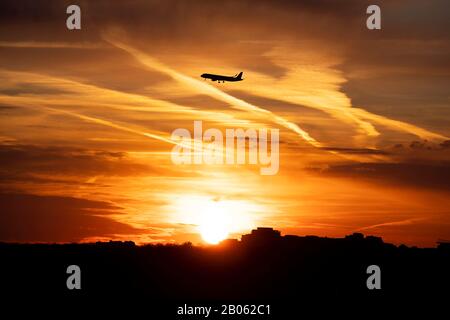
column 86, row 118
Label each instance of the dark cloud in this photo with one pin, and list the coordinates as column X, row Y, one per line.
column 421, row 151
column 221, row 25
column 414, row 175
column 33, row 218
column 403, row 70
column 7, row 108
column 23, row 160
column 190, row 20
column 445, row 145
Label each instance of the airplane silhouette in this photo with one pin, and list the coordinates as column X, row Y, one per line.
column 219, row 78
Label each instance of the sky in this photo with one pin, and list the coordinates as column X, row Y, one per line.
column 86, row 118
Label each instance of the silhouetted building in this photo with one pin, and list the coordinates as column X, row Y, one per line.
column 261, row 236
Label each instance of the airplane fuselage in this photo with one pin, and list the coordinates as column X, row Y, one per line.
column 219, row 78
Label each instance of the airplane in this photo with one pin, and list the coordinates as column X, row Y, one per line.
column 219, row 78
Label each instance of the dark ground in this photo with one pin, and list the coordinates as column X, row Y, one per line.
column 290, row 273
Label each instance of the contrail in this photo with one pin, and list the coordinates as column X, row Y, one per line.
column 116, row 126
column 334, row 103
column 189, row 145
column 392, row 223
column 113, row 125
column 210, row 90
column 109, row 98
column 361, row 117
column 399, row 125
column 98, row 93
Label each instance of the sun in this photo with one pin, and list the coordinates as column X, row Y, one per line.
column 214, row 219
column 214, row 224
column 212, row 231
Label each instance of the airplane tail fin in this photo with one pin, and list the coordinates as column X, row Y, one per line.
column 239, row 76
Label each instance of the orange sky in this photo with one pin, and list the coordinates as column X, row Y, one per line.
column 86, row 118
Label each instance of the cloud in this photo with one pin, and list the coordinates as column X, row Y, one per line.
column 408, row 174
column 32, row 89
column 114, row 125
column 33, row 218
column 311, row 66
column 19, row 160
column 209, row 90
column 313, row 80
